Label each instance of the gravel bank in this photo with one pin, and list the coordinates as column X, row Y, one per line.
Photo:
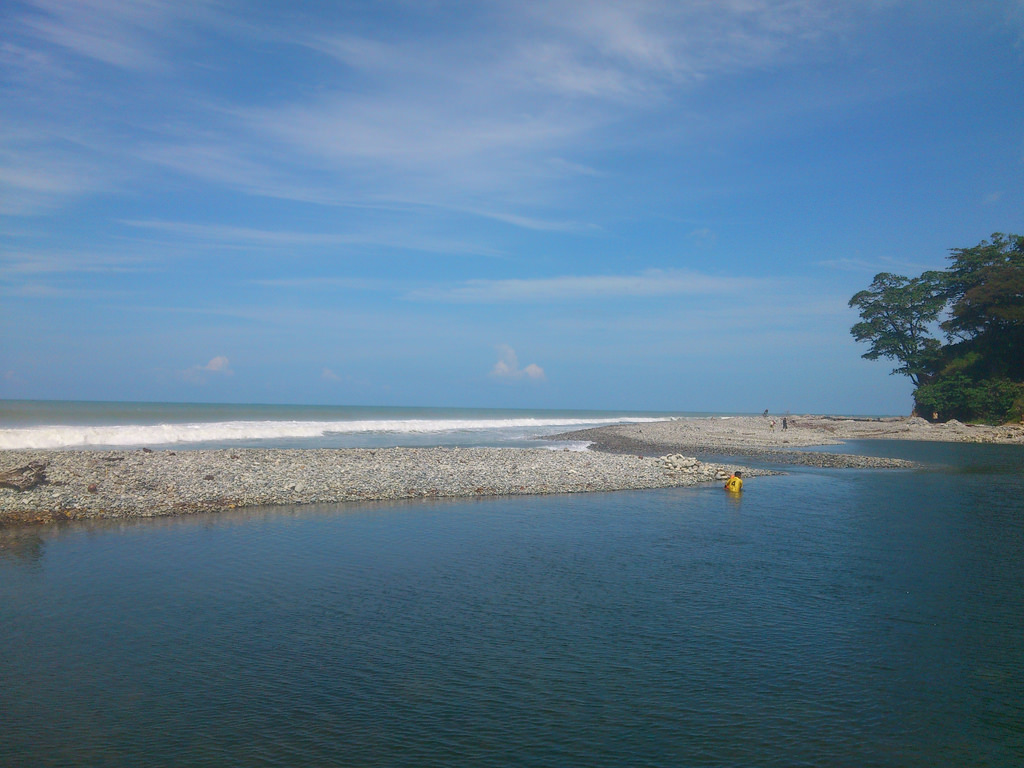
column 754, row 436
column 143, row 483
column 601, row 439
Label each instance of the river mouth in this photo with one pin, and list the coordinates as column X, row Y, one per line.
column 822, row 617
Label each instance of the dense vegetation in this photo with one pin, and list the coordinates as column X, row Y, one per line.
column 977, row 303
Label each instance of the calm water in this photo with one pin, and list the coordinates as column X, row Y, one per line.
column 829, row 617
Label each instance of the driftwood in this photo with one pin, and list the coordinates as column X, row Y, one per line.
column 24, row 478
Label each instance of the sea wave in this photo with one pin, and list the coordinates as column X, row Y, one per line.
column 84, row 436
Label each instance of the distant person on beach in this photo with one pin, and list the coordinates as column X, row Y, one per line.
column 773, row 425
column 765, row 414
column 785, row 424
column 735, row 482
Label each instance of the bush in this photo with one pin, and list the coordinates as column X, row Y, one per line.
column 956, row 396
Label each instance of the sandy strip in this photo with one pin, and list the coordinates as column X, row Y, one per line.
column 755, row 435
column 766, row 438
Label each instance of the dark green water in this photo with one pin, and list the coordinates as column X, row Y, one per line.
column 829, row 617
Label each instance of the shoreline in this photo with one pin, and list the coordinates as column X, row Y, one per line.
column 754, row 437
column 96, row 484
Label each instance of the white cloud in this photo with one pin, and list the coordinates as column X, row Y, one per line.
column 507, row 368
column 328, row 375
column 218, row 365
column 534, row 371
column 198, row 374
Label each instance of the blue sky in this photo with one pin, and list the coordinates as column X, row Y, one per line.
column 643, row 205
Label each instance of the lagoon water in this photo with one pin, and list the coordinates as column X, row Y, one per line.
column 826, row 617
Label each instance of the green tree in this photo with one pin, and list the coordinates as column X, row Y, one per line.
column 896, row 315
column 979, row 373
column 985, row 290
column 985, row 287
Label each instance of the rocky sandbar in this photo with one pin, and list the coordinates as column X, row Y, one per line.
column 142, row 483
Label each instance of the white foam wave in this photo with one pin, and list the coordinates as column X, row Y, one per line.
column 577, row 446
column 75, row 436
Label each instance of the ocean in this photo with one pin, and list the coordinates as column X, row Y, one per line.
column 824, row 617
column 29, row 424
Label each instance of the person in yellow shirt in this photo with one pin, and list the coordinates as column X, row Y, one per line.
column 735, row 482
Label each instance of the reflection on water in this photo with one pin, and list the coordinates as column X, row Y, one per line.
column 22, row 544
column 823, row 618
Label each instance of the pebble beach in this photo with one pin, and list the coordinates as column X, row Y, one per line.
column 47, row 486
column 137, row 483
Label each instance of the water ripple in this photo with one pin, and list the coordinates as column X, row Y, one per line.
column 656, row 628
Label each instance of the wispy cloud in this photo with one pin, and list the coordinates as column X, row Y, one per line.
column 608, row 48
column 474, row 119
column 330, row 283
column 36, row 177
column 462, row 112
column 45, row 261
column 1015, row 16
column 227, row 235
column 123, row 35
column 443, row 122
column 654, row 282
column 874, row 266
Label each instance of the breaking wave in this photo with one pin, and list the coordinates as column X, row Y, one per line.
column 87, row 436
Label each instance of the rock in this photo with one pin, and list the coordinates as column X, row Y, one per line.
column 678, row 462
column 24, row 478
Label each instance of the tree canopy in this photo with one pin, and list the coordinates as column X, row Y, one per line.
column 896, row 312
column 978, row 373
